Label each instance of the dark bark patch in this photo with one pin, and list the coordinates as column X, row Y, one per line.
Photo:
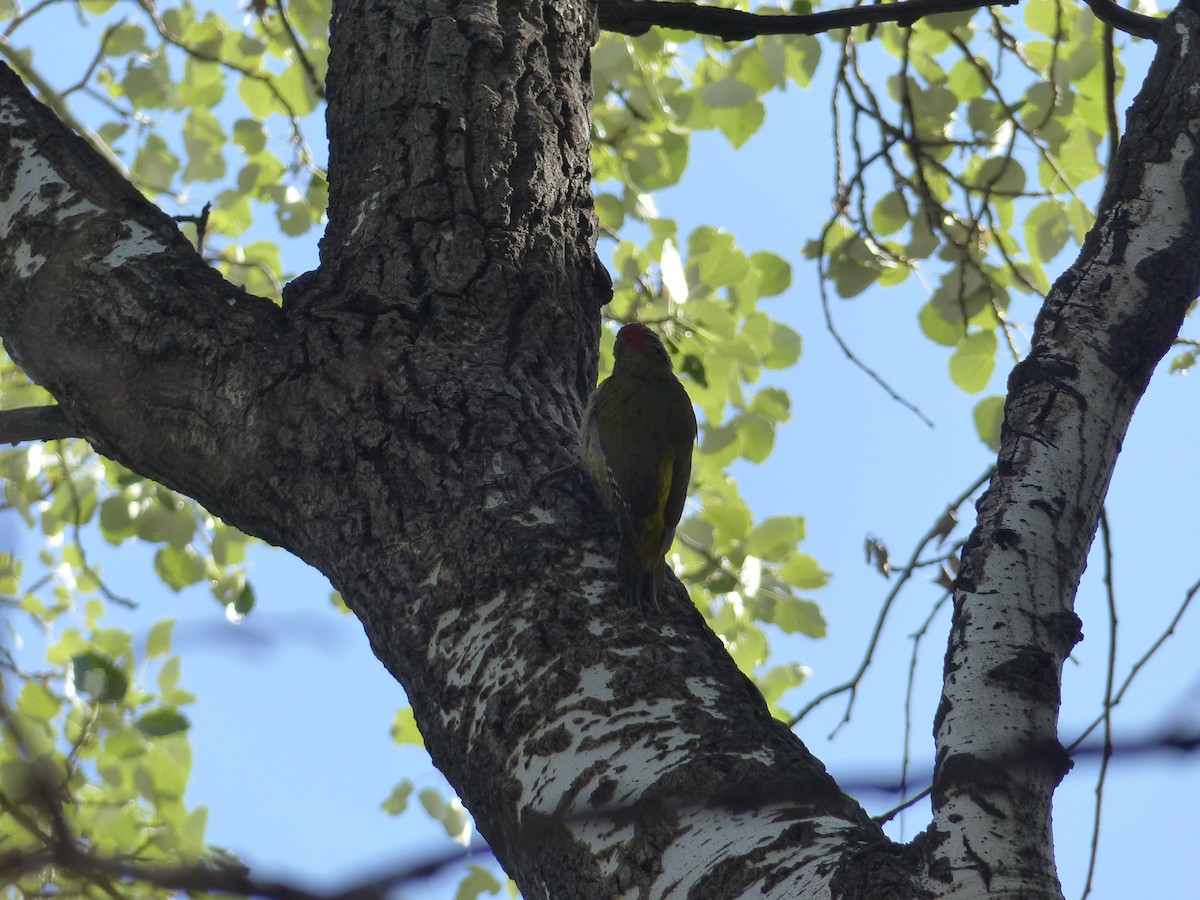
column 1031, row 673
column 881, row 870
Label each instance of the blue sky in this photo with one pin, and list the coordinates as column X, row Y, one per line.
column 291, row 729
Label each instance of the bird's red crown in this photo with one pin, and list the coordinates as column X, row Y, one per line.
column 634, row 334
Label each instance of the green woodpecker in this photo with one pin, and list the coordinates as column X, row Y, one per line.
column 637, row 436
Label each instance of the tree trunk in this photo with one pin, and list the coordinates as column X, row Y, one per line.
column 401, row 424
column 1104, row 327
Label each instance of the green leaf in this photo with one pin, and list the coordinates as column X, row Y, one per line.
column 777, row 680
column 478, row 881
column 155, row 165
column 37, row 702
column 228, row 545
column 785, row 345
column 125, row 39
column 97, row 676
column 397, row 800
column 259, row 98
column 775, row 538
column 158, row 639
column 973, row 361
column 716, row 258
column 988, row 415
column 162, row 722
column 609, row 210
column 452, row 815
column 245, row 601
column 727, row 92
column 999, row 174
column 116, row 519
column 173, row 524
column 802, row 571
column 203, row 84
column 164, row 768
column 204, row 139
column 804, row 53
column 739, row 123
column 965, row 79
column 796, row 615
column 757, row 437
column 890, row 213
column 774, row 273
column 178, row 567
column 1183, row 361
column 297, row 89
column 148, row 83
column 1046, row 231
column 937, row 329
column 404, row 728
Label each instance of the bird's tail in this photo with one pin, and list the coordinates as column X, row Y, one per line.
column 640, row 585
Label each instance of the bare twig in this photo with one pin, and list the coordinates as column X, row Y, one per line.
column 310, row 73
column 1137, row 666
column 936, row 531
column 1110, row 594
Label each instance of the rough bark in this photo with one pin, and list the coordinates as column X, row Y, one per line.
column 397, row 424
column 1105, row 326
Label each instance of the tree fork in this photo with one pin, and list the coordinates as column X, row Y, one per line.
column 394, row 424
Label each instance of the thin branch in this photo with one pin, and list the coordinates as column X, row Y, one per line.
column 936, row 531
column 285, row 20
column 910, row 687
column 636, row 17
column 35, row 423
column 845, row 348
column 1137, row 666
column 884, row 817
column 58, row 103
column 1122, row 19
column 1110, row 94
column 1111, row 595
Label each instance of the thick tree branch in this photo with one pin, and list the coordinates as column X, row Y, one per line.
column 1104, row 327
column 35, row 423
column 1122, row 19
column 635, row 17
column 150, row 352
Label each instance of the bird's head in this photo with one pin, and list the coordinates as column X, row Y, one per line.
column 638, row 346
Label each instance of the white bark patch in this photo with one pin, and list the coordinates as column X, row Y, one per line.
column 704, row 691
column 535, row 516
column 595, row 561
column 26, row 261
column 38, row 189
column 596, row 751
column 368, row 205
column 432, row 579
column 712, row 835
column 594, row 681
column 595, row 591
column 597, row 628
column 475, row 663
column 139, row 242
